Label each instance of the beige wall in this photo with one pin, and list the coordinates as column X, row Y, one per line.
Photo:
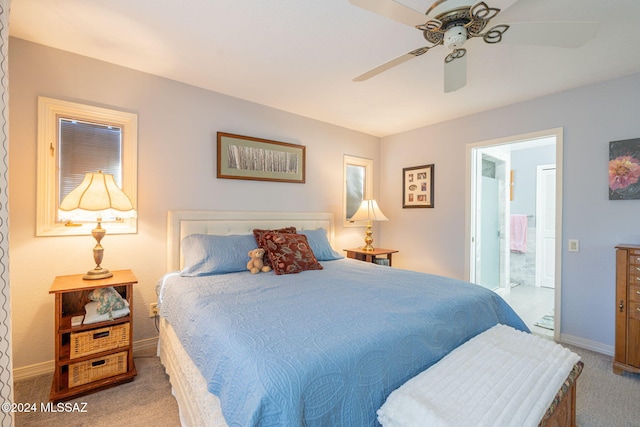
column 176, row 158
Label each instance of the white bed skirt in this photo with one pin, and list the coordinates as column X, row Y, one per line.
column 198, row 407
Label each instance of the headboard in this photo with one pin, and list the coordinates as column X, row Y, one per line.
column 181, row 223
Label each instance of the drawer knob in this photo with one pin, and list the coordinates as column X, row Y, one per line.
column 621, row 306
column 638, row 309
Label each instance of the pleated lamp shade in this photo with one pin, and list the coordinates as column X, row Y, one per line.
column 97, row 198
column 369, row 210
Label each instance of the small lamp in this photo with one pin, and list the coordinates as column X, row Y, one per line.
column 368, row 211
column 99, row 199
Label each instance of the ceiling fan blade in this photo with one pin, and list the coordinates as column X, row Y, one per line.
column 455, row 73
column 393, row 10
column 390, row 64
column 558, row 34
column 500, row 4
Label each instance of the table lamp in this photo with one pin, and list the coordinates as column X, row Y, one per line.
column 98, row 199
column 368, row 211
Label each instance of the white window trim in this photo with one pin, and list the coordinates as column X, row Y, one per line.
column 368, row 185
column 47, row 166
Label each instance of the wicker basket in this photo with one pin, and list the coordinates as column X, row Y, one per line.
column 97, row 340
column 95, row 369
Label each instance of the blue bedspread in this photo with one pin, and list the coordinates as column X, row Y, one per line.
column 326, row 347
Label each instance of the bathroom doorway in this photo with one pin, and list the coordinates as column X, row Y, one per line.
column 514, row 227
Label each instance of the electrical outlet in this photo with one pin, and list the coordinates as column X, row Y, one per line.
column 153, row 309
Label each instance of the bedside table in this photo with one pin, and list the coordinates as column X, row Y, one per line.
column 96, row 356
column 370, row 256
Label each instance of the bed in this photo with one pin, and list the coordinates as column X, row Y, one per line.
column 323, row 347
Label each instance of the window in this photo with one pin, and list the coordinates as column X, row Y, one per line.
column 74, row 139
column 358, row 185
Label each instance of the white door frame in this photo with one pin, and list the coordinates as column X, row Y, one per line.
column 470, row 208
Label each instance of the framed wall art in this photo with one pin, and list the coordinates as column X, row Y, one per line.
column 244, row 157
column 417, row 186
column 624, row 169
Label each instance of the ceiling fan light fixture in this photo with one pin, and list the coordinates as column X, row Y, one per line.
column 455, row 37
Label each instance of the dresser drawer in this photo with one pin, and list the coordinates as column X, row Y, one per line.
column 634, row 257
column 634, row 310
column 96, row 369
column 634, row 292
column 634, row 275
column 98, row 340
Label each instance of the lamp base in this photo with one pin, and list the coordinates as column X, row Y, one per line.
column 368, row 240
column 98, row 272
column 102, row 273
column 368, row 248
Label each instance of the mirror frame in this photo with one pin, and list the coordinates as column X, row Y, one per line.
column 368, row 184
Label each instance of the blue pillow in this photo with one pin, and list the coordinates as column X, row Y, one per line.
column 319, row 244
column 206, row 254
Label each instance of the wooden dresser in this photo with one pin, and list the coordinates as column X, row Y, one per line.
column 627, row 344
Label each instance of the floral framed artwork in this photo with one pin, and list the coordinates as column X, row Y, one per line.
column 417, row 186
column 624, row 169
column 244, row 157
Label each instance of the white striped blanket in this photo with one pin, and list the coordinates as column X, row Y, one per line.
column 502, row 377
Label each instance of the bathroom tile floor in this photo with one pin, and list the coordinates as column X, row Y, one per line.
column 531, row 303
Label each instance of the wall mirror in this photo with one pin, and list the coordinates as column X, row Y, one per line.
column 358, row 185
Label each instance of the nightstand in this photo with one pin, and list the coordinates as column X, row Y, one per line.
column 371, row 256
column 96, row 356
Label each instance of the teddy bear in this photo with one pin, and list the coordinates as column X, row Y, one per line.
column 256, row 264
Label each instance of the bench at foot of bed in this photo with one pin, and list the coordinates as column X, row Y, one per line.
column 501, row 377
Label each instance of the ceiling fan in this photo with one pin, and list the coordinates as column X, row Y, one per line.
column 453, row 22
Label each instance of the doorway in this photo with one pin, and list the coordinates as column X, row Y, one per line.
column 513, row 223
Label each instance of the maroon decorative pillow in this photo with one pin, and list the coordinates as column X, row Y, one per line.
column 259, row 234
column 290, row 253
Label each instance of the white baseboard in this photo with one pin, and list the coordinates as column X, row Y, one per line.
column 35, row 370
column 145, row 345
column 47, row 367
column 587, row 344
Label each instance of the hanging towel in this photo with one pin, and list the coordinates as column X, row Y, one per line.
column 519, row 233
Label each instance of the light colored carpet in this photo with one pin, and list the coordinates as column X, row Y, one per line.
column 146, row 401
column 603, row 398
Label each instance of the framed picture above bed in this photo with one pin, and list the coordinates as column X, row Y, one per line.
column 245, row 157
column 417, row 186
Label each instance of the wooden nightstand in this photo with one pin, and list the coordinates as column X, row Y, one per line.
column 96, row 356
column 370, row 256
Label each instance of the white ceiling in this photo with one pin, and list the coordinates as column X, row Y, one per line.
column 301, row 55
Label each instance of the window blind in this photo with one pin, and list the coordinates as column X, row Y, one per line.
column 87, row 147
